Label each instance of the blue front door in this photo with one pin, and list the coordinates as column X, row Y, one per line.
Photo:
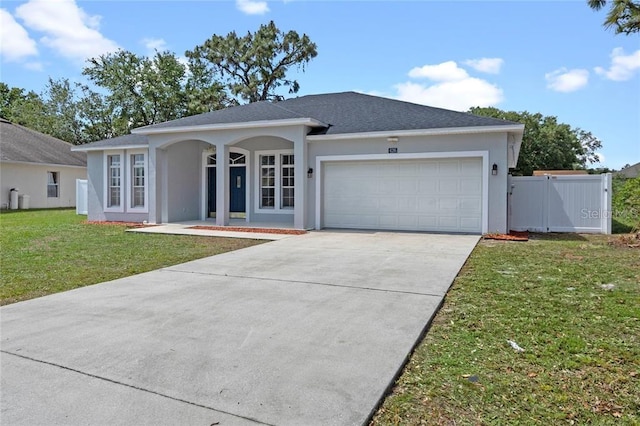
column 237, row 190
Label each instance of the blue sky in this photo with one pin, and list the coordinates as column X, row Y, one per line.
column 549, row 57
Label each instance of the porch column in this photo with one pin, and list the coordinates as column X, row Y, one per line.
column 222, row 184
column 155, row 185
column 300, row 181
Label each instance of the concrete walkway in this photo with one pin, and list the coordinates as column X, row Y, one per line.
column 308, row 330
column 190, row 228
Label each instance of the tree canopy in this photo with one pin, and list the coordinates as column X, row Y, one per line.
column 623, row 15
column 252, row 67
column 548, row 144
column 130, row 90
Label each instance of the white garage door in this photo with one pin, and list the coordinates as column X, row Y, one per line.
column 422, row 195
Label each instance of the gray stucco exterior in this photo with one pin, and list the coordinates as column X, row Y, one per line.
column 176, row 181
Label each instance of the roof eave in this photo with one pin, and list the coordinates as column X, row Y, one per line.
column 81, row 148
column 33, row 163
column 231, row 126
column 511, row 128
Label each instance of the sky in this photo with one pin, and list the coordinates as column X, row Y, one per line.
column 551, row 57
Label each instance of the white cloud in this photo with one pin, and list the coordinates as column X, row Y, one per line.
column 67, row 28
column 565, row 81
column 16, row 44
column 451, row 87
column 34, row 66
column 251, row 7
column 153, row 44
column 455, row 95
column 446, row 71
column 487, row 65
column 622, row 66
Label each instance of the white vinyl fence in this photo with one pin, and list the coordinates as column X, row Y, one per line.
column 576, row 203
column 82, row 196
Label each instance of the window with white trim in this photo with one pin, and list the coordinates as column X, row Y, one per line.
column 267, row 181
column 114, row 183
column 53, row 184
column 137, row 180
column 276, row 181
column 287, row 195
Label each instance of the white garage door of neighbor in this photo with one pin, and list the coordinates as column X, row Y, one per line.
column 414, row 195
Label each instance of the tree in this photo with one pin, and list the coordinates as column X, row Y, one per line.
column 547, row 144
column 623, row 15
column 143, row 91
column 60, row 116
column 20, row 107
column 253, row 67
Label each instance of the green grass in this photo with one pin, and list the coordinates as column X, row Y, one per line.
column 581, row 363
column 48, row 251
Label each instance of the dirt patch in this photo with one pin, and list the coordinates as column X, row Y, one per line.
column 256, row 230
column 127, row 224
column 626, row 240
column 511, row 236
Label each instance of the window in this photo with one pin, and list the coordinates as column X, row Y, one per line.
column 114, row 177
column 267, row 181
column 287, row 181
column 53, row 184
column 276, row 181
column 137, row 180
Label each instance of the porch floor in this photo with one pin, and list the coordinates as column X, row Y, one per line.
column 187, row 228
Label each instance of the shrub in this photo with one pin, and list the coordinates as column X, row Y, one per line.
column 626, row 200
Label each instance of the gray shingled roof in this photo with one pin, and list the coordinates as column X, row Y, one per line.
column 343, row 113
column 352, row 112
column 632, row 171
column 120, row 141
column 257, row 111
column 18, row 143
column 346, row 112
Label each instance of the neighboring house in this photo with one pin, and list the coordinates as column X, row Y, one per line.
column 632, row 171
column 39, row 166
column 338, row 160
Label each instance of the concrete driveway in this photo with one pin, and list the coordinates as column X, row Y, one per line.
column 308, row 330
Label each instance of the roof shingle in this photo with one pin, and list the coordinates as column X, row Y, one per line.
column 342, row 113
column 21, row 144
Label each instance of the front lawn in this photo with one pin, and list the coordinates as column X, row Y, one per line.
column 571, row 302
column 48, row 251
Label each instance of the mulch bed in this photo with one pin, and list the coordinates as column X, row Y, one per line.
column 127, row 224
column 511, row 236
column 626, row 240
column 256, row 230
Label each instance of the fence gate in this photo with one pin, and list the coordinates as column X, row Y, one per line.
column 82, row 196
column 578, row 203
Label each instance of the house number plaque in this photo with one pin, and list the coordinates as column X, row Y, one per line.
column 393, row 150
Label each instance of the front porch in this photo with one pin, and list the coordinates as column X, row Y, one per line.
column 237, row 228
column 233, row 177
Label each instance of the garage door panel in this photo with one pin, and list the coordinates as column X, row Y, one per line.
column 427, row 186
column 384, row 186
column 448, row 186
column 472, row 205
column 448, row 222
column 449, row 168
column 470, row 223
column 426, row 194
column 408, row 222
column 470, row 167
column 388, row 221
column 428, row 169
column 447, row 204
column 407, row 186
column 470, row 185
